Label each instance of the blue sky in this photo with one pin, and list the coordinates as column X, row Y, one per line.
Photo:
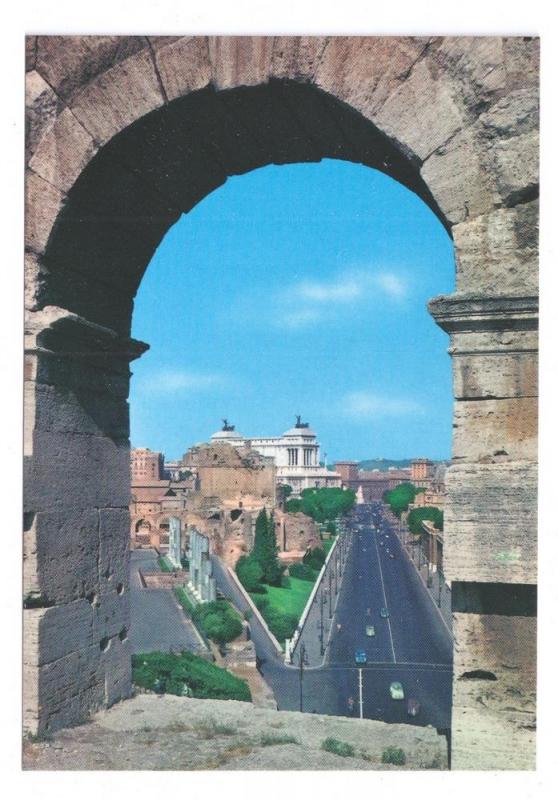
column 298, row 289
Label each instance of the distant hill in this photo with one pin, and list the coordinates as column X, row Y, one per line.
column 384, row 463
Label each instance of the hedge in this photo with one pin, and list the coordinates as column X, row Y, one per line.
column 187, row 675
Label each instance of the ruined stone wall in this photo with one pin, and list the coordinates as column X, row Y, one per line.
column 124, row 134
column 295, row 533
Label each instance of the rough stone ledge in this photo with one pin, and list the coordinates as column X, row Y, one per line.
column 83, row 338
column 460, row 312
column 150, row 732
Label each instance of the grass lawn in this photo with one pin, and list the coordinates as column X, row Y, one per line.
column 290, row 600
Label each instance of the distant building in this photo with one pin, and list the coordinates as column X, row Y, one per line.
column 370, row 484
column 146, row 464
column 296, row 455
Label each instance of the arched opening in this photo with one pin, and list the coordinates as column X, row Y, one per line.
column 441, row 142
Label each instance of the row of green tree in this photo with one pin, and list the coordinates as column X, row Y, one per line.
column 399, row 500
column 401, row 497
column 322, row 504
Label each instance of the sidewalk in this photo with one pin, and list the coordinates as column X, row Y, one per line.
column 316, row 627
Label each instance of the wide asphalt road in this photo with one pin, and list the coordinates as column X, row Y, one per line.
column 411, row 646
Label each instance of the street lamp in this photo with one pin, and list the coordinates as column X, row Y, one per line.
column 302, row 661
column 330, row 580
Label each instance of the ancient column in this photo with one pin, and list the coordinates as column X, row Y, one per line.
column 490, row 527
column 76, row 518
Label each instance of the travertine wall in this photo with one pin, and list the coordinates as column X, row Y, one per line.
column 126, row 133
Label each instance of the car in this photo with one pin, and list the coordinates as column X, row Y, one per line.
column 384, row 613
column 396, row 691
column 360, row 657
column 413, row 707
column 370, row 630
column 392, row 555
column 381, row 544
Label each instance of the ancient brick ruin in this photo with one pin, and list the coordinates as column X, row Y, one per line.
column 124, row 134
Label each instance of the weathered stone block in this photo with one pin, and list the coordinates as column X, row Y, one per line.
column 63, row 152
column 58, row 631
column 296, row 56
column 490, row 523
column 183, row 64
column 114, row 531
column 457, row 176
column 492, row 430
column 76, row 471
column 41, row 109
column 62, row 409
column 64, row 548
column 422, row 114
column 43, row 203
column 494, row 690
column 475, row 67
column 118, row 97
column 71, row 62
column 36, row 278
column 497, row 252
column 367, row 70
column 240, row 60
column 495, row 375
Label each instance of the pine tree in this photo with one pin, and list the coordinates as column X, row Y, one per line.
column 265, row 549
column 260, row 539
column 273, row 570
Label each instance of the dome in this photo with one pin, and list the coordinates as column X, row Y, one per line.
column 300, row 431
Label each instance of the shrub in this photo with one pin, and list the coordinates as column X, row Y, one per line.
column 302, row 571
column 315, row 558
column 343, row 749
column 187, row 605
column 249, row 573
column 268, row 740
column 393, row 755
column 218, row 620
column 330, row 528
column 186, row 674
column 164, row 564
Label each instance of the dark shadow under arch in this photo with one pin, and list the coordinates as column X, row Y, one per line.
column 138, row 184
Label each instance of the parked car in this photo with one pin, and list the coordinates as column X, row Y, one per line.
column 396, row 691
column 360, row 657
column 370, row 630
column 392, row 555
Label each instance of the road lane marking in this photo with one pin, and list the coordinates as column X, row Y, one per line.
column 360, row 692
column 385, row 599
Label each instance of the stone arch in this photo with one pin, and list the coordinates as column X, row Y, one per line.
column 126, row 133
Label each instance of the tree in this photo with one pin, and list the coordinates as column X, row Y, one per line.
column 417, row 515
column 249, row 573
column 265, row 549
column 272, row 569
column 400, row 498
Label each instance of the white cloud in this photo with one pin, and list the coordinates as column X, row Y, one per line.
column 343, row 290
column 393, row 285
column 177, row 380
column 298, row 318
column 366, row 405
